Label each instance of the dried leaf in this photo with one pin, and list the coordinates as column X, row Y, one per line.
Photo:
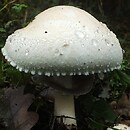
column 18, row 104
column 122, row 109
column 124, row 101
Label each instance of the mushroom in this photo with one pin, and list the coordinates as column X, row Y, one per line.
column 62, row 43
column 120, row 127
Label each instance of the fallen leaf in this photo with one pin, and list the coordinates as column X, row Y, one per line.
column 122, row 108
column 18, row 104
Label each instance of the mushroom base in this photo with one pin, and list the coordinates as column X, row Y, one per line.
column 61, row 126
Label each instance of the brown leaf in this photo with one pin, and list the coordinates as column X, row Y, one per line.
column 121, row 107
column 124, row 101
column 19, row 104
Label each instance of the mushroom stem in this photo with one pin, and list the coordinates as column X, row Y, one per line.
column 65, row 110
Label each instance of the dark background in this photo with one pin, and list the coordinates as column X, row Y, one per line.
column 91, row 114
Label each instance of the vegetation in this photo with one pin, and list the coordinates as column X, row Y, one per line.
column 106, row 104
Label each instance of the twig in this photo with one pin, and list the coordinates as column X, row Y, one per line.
column 52, row 124
column 65, row 117
column 96, row 122
column 25, row 18
column 7, row 5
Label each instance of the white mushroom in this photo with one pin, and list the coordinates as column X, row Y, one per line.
column 120, row 127
column 63, row 41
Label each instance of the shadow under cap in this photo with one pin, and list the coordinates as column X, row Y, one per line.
column 76, row 85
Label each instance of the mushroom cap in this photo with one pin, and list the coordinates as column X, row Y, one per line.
column 64, row 40
column 120, row 127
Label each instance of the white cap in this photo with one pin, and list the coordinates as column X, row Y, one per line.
column 120, row 127
column 64, row 40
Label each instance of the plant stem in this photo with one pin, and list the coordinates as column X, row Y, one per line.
column 7, row 5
